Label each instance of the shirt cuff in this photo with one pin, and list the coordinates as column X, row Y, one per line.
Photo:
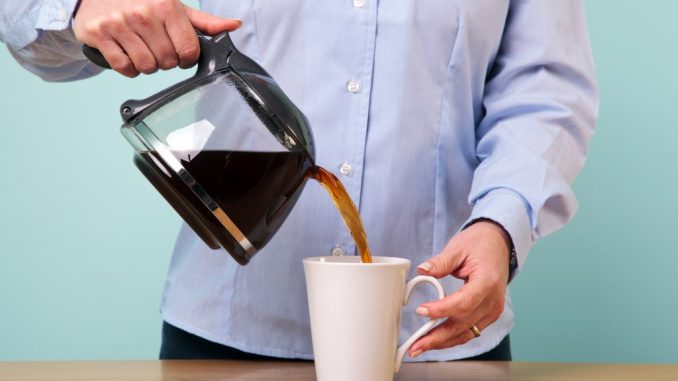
column 508, row 209
column 53, row 16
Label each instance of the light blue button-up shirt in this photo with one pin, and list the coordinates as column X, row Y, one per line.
column 432, row 113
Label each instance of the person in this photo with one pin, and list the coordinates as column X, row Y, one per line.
column 457, row 127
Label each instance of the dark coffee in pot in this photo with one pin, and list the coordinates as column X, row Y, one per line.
column 264, row 182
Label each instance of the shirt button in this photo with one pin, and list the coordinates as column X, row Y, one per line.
column 353, row 86
column 337, row 251
column 345, row 169
column 358, row 3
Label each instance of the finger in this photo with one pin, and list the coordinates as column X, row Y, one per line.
column 157, row 40
column 449, row 334
column 117, row 58
column 444, row 263
column 183, row 38
column 210, row 24
column 461, row 303
column 467, row 334
column 458, row 324
column 140, row 54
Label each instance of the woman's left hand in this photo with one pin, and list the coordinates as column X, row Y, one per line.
column 480, row 256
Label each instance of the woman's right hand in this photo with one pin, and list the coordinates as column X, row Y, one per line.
column 142, row 36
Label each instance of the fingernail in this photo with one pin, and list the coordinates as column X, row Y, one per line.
column 423, row 311
column 416, row 353
column 426, row 266
column 239, row 22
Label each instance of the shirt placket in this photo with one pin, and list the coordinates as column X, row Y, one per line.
column 358, row 88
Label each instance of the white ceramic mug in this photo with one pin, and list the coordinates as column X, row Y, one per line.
column 355, row 316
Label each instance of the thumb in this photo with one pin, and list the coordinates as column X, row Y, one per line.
column 442, row 264
column 210, row 24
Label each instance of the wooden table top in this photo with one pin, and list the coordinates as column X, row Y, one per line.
column 189, row 370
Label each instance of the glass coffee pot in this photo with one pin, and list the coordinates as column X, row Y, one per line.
column 226, row 148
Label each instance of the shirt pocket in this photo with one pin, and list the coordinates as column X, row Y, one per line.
column 426, row 29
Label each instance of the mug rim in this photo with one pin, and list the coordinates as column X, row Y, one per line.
column 378, row 261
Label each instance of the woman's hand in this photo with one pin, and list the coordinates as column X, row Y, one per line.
column 479, row 255
column 142, row 36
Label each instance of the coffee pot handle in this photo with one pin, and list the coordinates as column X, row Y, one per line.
column 402, row 350
column 94, row 55
column 214, row 57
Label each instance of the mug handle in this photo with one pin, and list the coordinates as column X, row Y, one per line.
column 400, row 353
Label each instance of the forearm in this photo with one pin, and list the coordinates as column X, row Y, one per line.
column 39, row 36
column 541, row 105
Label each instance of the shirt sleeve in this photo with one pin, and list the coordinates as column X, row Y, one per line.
column 540, row 106
column 39, row 36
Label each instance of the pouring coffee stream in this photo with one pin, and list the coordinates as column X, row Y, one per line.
column 349, row 212
column 229, row 151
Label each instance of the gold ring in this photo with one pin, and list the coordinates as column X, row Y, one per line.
column 475, row 330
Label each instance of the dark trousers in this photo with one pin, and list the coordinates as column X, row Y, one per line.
column 179, row 344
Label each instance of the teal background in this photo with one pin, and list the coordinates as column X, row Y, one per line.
column 85, row 242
